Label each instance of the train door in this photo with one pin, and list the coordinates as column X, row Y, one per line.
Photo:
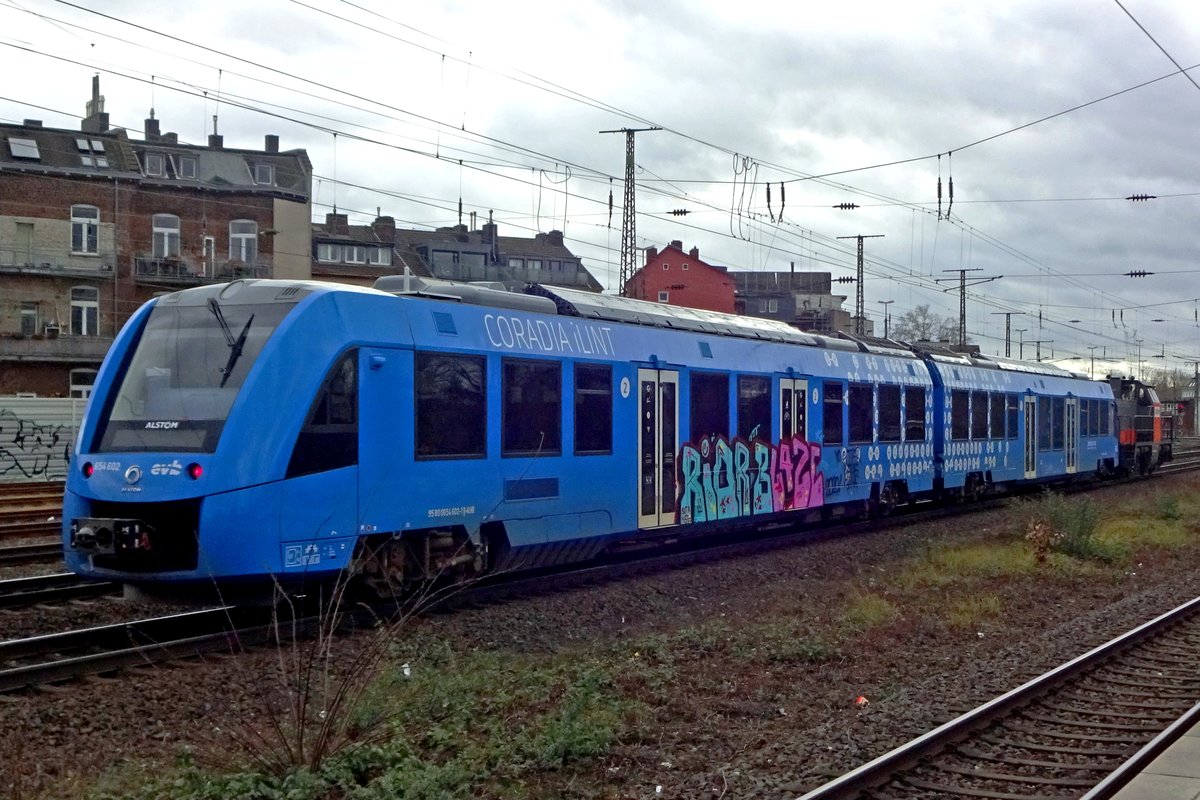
column 658, row 443
column 1030, row 436
column 793, row 409
column 1071, row 422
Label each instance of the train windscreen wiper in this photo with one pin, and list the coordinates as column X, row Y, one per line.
column 235, row 345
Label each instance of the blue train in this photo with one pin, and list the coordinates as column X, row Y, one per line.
column 292, row 430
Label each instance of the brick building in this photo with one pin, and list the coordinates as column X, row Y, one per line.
column 361, row 253
column 803, row 299
column 93, row 224
column 682, row 279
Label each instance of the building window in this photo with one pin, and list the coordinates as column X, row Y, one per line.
column 451, row 406
column 355, row 254
column 664, row 296
column 533, row 263
column 516, row 263
column 29, row 318
column 85, row 310
column 85, row 226
column 24, row 148
column 593, row 409
column 82, row 381
column 155, row 164
column 91, row 153
column 684, row 266
column 532, row 413
column 329, row 252
column 185, row 166
column 381, row 256
column 243, row 240
column 166, row 236
column 666, row 266
column 264, row 174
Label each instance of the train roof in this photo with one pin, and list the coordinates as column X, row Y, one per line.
column 610, row 308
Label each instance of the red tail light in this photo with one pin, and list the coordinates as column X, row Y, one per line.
column 194, row 471
column 88, row 469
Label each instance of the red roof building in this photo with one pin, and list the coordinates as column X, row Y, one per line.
column 682, row 279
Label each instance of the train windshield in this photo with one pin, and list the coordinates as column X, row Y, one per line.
column 188, row 367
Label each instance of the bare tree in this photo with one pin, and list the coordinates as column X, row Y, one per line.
column 922, row 325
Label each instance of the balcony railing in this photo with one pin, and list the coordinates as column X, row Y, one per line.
column 63, row 347
column 47, row 261
column 189, row 271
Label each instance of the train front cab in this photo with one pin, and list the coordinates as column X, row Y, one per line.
column 1144, row 431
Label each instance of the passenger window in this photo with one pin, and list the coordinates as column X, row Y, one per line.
column 832, row 415
column 979, row 415
column 862, row 413
column 709, row 405
column 960, row 419
column 593, row 409
column 1085, row 417
column 1012, row 412
column 329, row 438
column 889, row 413
column 1045, row 422
column 1059, row 407
column 754, row 408
column 997, row 415
column 532, row 421
column 914, row 414
column 451, row 406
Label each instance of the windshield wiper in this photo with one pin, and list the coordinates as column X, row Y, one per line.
column 235, row 345
column 235, row 350
column 216, row 311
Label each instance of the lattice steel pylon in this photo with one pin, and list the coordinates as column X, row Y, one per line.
column 629, row 215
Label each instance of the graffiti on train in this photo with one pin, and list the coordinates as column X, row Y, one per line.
column 722, row 479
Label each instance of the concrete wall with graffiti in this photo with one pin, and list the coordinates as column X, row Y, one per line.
column 36, row 437
column 721, row 478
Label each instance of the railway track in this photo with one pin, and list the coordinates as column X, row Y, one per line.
column 58, row 657
column 39, row 552
column 1082, row 729
column 57, row 588
column 30, row 509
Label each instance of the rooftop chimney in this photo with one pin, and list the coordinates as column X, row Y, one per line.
column 96, row 120
column 694, row 253
column 152, row 129
column 271, row 145
column 171, row 137
column 555, row 238
column 385, row 228
column 337, row 223
column 33, row 123
column 677, row 244
column 651, row 253
column 216, row 141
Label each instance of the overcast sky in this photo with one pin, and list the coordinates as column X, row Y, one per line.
column 409, row 107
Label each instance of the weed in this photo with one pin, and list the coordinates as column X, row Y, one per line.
column 1168, row 507
column 969, row 613
column 1053, row 523
column 868, row 611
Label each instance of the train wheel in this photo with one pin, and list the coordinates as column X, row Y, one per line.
column 886, row 502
